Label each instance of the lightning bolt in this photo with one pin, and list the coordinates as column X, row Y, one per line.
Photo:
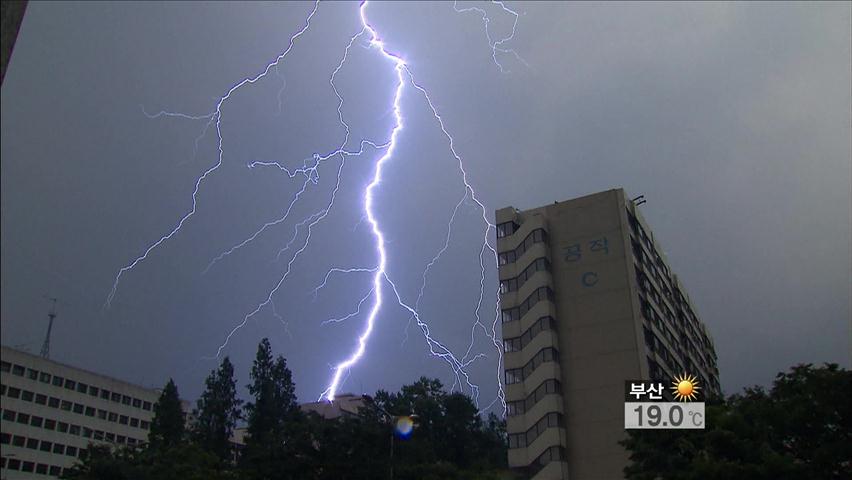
column 381, row 285
column 215, row 117
column 496, row 45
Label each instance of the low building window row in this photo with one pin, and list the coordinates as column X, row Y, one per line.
column 517, row 344
column 515, row 313
column 75, row 386
column 53, row 402
column 536, row 236
column 547, row 387
column 513, row 284
column 63, row 427
column 42, row 445
column 517, row 375
column 14, row 464
column 522, row 440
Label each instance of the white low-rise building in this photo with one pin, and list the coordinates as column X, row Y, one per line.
column 51, row 412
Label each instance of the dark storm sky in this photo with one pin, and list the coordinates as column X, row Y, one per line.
column 732, row 119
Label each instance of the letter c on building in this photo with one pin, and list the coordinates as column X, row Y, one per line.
column 589, row 279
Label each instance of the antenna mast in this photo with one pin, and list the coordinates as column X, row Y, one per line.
column 45, row 347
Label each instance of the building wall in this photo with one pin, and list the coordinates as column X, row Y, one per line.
column 52, row 411
column 571, row 288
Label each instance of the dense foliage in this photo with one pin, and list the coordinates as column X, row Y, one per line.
column 800, row 429
column 217, row 412
column 450, row 440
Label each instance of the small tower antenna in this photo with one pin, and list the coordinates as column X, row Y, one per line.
column 45, row 347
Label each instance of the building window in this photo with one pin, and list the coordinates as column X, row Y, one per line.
column 44, row 377
column 18, row 441
column 14, row 392
column 50, row 424
column 27, row 395
column 506, row 229
column 536, row 236
column 62, row 427
column 113, row 417
column 55, row 471
column 5, row 367
column 514, row 375
column 70, row 384
column 515, row 313
column 93, row 391
column 121, row 439
column 36, row 421
column 78, row 408
column 82, row 387
column 28, row 467
column 145, row 425
column 102, row 414
column 116, row 397
column 513, row 284
column 5, row 438
column 125, row 399
column 18, row 370
column 59, row 448
column 41, row 468
column 99, row 435
column 71, row 451
column 32, row 374
column 8, row 415
column 517, row 440
column 32, row 443
column 2, row 389
column 14, row 464
column 105, row 394
column 53, row 402
column 23, row 418
column 41, row 399
column 146, row 406
column 74, row 430
column 110, row 437
column 58, row 381
column 123, row 419
column 46, row 446
column 134, row 422
column 90, row 412
column 137, row 403
column 87, row 432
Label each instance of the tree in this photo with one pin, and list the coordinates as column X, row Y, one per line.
column 450, row 439
column 185, row 461
column 217, row 412
column 800, row 429
column 278, row 443
column 167, row 426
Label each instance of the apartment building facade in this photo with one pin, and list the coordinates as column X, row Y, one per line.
column 588, row 301
column 52, row 411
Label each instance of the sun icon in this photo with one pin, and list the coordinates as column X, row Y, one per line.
column 685, row 387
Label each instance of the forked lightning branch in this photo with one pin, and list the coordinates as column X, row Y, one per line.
column 383, row 291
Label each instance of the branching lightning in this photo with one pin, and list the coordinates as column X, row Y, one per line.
column 382, row 286
column 496, row 45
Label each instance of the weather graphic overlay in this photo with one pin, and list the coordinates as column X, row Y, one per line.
column 374, row 274
column 648, row 405
column 685, row 388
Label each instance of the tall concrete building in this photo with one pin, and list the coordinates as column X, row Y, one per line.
column 588, row 301
column 51, row 412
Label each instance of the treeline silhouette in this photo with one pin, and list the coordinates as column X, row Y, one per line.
column 450, row 439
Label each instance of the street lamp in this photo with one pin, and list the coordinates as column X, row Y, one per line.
column 400, row 424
